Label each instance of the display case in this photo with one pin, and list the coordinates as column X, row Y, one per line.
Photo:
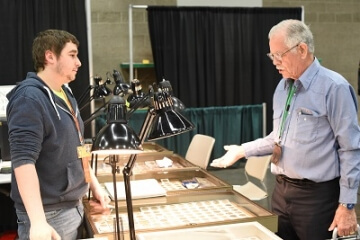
column 182, row 181
column 181, row 211
column 146, row 166
column 239, row 231
column 150, row 148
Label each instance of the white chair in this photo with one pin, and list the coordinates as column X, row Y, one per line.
column 199, row 150
column 255, row 167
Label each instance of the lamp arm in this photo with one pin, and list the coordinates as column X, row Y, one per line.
column 150, row 115
column 136, row 106
column 87, row 103
column 127, row 183
column 83, row 95
column 127, row 172
column 114, row 159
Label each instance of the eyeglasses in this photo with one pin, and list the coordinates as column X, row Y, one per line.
column 278, row 56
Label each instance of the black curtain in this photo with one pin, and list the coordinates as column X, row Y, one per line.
column 216, row 56
column 21, row 20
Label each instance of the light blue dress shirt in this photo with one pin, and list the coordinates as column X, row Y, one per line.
column 321, row 138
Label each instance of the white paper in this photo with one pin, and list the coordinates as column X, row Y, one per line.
column 146, row 188
column 164, row 163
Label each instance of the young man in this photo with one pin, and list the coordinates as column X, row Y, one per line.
column 45, row 131
column 315, row 143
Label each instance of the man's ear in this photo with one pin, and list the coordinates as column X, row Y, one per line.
column 49, row 57
column 303, row 48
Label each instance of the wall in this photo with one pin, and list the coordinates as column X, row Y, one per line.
column 335, row 25
column 110, row 33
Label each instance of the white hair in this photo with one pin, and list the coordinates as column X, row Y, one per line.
column 296, row 32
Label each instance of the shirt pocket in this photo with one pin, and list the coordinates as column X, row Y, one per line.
column 307, row 125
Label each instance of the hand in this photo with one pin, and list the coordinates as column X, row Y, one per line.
column 101, row 197
column 345, row 221
column 43, row 231
column 96, row 208
column 234, row 153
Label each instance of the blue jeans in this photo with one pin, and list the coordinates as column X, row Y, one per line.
column 65, row 221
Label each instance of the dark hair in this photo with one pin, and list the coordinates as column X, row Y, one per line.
column 53, row 40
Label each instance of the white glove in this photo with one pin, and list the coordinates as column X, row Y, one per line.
column 234, row 153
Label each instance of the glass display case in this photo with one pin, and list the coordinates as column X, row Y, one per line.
column 146, row 165
column 150, row 148
column 181, row 211
column 238, row 231
column 182, row 181
column 193, row 198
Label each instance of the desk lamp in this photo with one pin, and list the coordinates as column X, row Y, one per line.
column 137, row 93
column 100, row 91
column 120, row 85
column 161, row 121
column 177, row 103
column 120, row 88
column 136, row 101
column 115, row 138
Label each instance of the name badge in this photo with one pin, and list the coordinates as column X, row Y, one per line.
column 84, row 152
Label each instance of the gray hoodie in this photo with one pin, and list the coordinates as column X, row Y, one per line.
column 42, row 132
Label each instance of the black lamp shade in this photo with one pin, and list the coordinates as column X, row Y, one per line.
column 117, row 138
column 178, row 104
column 168, row 123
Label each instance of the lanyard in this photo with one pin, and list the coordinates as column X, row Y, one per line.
column 77, row 126
column 83, row 151
column 287, row 107
column 73, row 114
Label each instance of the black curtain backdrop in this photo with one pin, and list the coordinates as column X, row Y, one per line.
column 21, row 20
column 217, row 56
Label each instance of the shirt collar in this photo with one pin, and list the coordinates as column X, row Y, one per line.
column 287, row 83
column 306, row 78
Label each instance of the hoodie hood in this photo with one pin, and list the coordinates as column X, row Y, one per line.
column 32, row 80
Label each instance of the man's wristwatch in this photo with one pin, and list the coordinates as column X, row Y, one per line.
column 349, row 206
